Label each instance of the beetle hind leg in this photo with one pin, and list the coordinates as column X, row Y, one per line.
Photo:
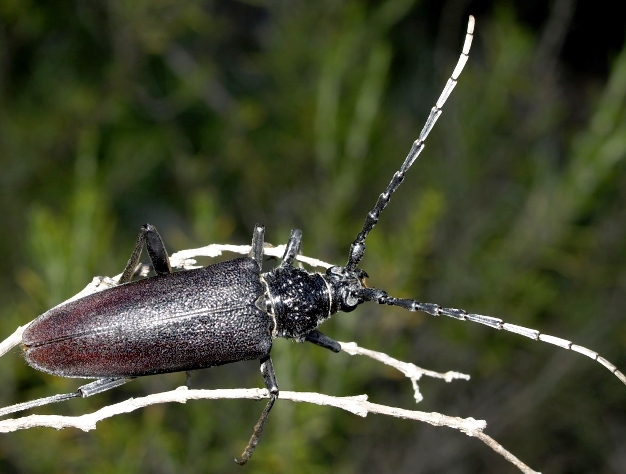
column 38, row 403
column 97, row 386
column 269, row 379
column 149, row 235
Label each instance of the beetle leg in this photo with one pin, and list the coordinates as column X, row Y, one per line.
column 149, row 235
column 37, row 403
column 269, row 378
column 293, row 248
column 101, row 385
column 92, row 388
column 323, row 340
column 256, row 252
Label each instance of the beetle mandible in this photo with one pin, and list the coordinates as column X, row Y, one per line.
column 223, row 313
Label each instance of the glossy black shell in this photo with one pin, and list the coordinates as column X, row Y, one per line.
column 175, row 322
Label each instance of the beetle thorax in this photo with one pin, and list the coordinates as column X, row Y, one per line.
column 297, row 300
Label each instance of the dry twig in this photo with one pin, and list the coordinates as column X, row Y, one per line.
column 358, row 405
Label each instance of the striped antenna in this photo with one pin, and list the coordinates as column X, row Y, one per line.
column 357, row 249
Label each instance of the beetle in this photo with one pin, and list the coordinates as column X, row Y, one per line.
column 226, row 312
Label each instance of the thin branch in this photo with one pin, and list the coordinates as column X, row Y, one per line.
column 411, row 371
column 358, row 405
column 13, row 340
column 185, row 259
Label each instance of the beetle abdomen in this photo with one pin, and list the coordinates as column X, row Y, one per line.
column 175, row 322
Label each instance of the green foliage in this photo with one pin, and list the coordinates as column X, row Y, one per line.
column 204, row 118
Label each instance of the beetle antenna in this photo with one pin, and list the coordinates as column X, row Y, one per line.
column 357, row 249
column 381, row 297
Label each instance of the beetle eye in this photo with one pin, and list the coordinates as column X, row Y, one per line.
column 350, row 300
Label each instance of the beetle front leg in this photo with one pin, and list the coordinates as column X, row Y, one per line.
column 149, row 235
column 269, row 378
column 258, row 239
column 323, row 340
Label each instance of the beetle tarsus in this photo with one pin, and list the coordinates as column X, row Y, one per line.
column 269, row 379
column 256, row 432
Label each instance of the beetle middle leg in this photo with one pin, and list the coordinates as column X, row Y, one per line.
column 269, row 378
column 293, row 248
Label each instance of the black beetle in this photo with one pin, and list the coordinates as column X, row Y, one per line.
column 223, row 313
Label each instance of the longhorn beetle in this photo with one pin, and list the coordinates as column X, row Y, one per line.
column 226, row 312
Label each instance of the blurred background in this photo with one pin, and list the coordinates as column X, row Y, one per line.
column 204, row 118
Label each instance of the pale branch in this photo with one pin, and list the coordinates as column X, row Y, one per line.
column 13, row 340
column 357, row 405
column 411, row 371
column 185, row 260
